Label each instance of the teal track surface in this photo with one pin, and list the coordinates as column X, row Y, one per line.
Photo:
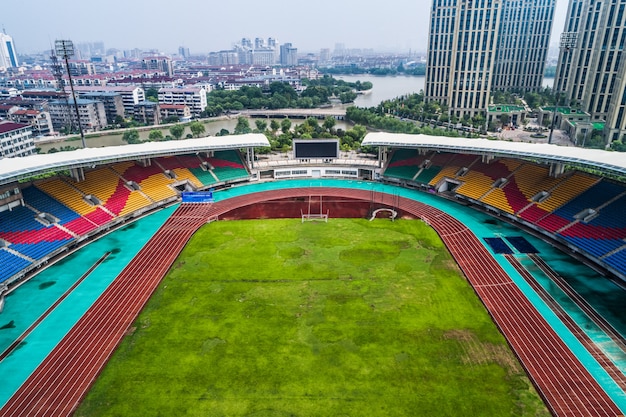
column 25, row 305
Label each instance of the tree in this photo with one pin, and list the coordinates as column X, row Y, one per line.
column 347, row 97
column 274, row 125
column 152, row 94
column 177, row 131
column 285, row 125
column 170, row 119
column 131, row 136
column 243, row 126
column 155, row 135
column 261, row 125
column 120, row 121
column 329, row 123
column 197, row 128
column 223, row 132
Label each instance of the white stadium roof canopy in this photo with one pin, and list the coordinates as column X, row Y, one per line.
column 605, row 161
column 13, row 169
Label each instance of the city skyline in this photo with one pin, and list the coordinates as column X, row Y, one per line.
column 399, row 25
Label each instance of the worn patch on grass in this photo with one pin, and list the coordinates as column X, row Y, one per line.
column 480, row 353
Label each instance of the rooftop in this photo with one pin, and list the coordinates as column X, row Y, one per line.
column 13, row 169
column 605, row 161
column 6, row 126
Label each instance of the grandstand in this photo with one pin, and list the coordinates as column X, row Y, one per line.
column 577, row 209
column 55, row 213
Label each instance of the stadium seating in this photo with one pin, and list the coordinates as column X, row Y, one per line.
column 43, row 203
column 404, row 164
column 227, row 166
column 151, row 180
column 28, row 236
column 66, row 194
column 173, row 164
column 11, row 264
column 617, row 260
column 194, row 164
column 601, row 233
column 106, row 185
column 452, row 166
column 68, row 218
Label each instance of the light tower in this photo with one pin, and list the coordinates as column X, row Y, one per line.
column 65, row 49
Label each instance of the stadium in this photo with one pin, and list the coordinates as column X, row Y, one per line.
column 570, row 199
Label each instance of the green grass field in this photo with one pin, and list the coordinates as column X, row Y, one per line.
column 345, row 318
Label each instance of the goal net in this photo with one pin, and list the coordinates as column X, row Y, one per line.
column 315, row 211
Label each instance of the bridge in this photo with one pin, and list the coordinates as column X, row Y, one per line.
column 318, row 113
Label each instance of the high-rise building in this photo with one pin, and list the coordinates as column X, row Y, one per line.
column 522, row 46
column 288, row 55
column 324, row 55
column 461, row 54
column 591, row 72
column 476, row 46
column 184, row 52
column 160, row 63
column 8, row 56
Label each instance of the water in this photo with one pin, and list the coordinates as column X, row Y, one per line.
column 389, row 87
column 385, row 87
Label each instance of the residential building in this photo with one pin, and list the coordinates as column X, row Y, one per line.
column 522, row 45
column 461, row 54
column 92, row 114
column 264, row 57
column 590, row 72
column 8, row 93
column 39, row 121
column 8, row 56
column 159, row 63
column 288, row 55
column 181, row 111
column 477, row 46
column 44, row 95
column 130, row 94
column 113, row 103
column 16, row 139
column 224, row 58
column 77, row 68
column 6, row 110
column 147, row 112
column 324, row 55
column 194, row 97
column 183, row 51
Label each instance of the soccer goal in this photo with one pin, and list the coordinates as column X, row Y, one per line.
column 318, row 214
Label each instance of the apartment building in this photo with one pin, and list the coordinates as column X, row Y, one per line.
column 16, row 139
column 591, row 73
column 92, row 114
column 194, row 97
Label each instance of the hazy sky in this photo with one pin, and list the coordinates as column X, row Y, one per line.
column 205, row 25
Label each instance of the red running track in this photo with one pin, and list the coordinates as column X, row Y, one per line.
column 60, row 382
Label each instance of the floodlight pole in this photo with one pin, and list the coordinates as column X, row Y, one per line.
column 65, row 48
